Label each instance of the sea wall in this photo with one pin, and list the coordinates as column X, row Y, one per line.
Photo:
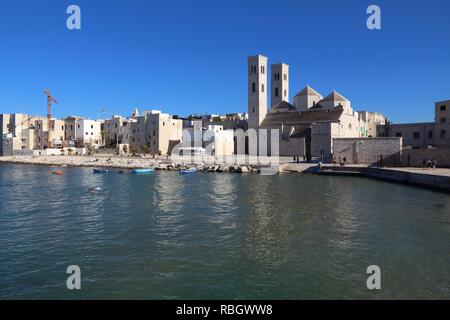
column 415, row 157
column 405, row 176
column 385, row 151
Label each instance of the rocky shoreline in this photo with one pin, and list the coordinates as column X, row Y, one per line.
column 115, row 162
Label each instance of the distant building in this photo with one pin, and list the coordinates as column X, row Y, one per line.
column 163, row 132
column 81, row 132
column 215, row 139
column 370, row 121
column 307, row 128
column 41, row 134
column 117, row 130
column 18, row 132
column 423, row 135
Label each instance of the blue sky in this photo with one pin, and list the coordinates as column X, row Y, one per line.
column 190, row 56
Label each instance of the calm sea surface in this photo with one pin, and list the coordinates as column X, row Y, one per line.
column 218, row 236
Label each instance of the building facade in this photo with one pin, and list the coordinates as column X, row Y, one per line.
column 306, row 128
column 423, row 135
column 163, row 132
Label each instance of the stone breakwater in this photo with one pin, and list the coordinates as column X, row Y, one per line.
column 82, row 161
column 126, row 163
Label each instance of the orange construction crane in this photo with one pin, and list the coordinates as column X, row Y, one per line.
column 50, row 99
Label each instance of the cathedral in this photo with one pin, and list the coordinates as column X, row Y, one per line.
column 307, row 127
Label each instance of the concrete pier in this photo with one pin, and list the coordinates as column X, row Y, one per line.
column 437, row 179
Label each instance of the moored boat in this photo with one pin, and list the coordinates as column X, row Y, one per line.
column 100, row 171
column 141, row 171
column 188, row 171
column 60, row 173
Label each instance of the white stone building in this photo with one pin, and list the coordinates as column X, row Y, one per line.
column 163, row 132
column 216, row 140
column 307, row 128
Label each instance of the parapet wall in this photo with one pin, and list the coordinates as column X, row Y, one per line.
column 374, row 151
column 415, row 157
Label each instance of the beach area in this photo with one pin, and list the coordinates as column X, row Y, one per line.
column 85, row 161
column 243, row 164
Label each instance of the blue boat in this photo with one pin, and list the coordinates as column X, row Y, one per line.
column 188, row 171
column 103, row 171
column 141, row 171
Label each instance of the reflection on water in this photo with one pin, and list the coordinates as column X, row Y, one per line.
column 169, row 200
column 221, row 198
column 268, row 223
column 218, row 236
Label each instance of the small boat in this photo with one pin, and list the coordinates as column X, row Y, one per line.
column 140, row 171
column 60, row 173
column 188, row 171
column 95, row 189
column 100, row 171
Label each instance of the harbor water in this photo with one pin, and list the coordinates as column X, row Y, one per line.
column 218, row 236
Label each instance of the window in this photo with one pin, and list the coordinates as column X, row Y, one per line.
column 285, row 93
column 253, row 87
column 253, row 110
column 79, row 126
column 443, row 134
column 443, row 120
column 71, row 127
column 164, row 124
column 430, row 134
column 154, row 134
column 87, row 133
column 92, row 126
column 398, row 134
column 416, row 135
column 276, row 92
column 285, row 76
column 262, row 87
column 62, row 127
column 443, row 108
